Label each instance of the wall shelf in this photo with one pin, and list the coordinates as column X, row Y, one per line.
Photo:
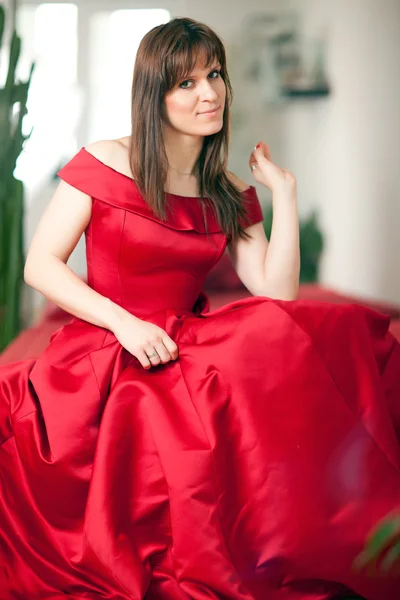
column 305, row 93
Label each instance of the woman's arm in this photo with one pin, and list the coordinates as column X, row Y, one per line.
column 271, row 268
column 282, row 261
column 58, row 232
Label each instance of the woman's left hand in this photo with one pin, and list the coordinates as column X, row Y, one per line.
column 268, row 173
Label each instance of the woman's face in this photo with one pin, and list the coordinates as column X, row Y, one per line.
column 188, row 104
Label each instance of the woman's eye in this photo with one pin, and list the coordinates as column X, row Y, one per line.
column 183, row 82
column 215, row 73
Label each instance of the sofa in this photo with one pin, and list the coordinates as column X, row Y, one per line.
column 222, row 286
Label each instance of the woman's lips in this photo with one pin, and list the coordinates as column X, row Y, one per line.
column 210, row 113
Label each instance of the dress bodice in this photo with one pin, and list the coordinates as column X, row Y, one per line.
column 137, row 260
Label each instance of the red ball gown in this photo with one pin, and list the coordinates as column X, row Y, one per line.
column 251, row 468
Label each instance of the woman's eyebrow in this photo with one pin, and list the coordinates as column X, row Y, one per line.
column 209, row 69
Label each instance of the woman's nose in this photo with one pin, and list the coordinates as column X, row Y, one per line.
column 207, row 91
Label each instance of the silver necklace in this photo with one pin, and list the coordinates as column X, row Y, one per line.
column 180, row 172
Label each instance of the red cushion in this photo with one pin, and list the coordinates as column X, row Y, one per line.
column 223, row 279
column 220, row 298
column 314, row 291
column 31, row 342
column 53, row 312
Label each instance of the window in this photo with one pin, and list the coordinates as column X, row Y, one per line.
column 115, row 37
column 49, row 37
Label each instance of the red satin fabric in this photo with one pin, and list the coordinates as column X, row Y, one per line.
column 253, row 467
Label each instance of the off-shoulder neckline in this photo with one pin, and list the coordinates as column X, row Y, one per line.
column 251, row 187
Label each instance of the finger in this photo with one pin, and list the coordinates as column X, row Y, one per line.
column 171, row 347
column 252, row 160
column 152, row 355
column 143, row 359
column 162, row 352
column 262, row 150
column 259, row 160
column 253, row 164
column 267, row 151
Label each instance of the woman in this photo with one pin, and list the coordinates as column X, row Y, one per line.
column 160, row 450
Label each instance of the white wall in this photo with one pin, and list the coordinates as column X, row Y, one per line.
column 345, row 150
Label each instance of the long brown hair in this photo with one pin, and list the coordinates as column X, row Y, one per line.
column 166, row 55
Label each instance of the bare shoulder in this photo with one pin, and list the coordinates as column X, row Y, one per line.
column 113, row 153
column 239, row 183
column 103, row 149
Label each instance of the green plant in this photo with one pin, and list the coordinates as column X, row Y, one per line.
column 381, row 552
column 311, row 244
column 13, row 98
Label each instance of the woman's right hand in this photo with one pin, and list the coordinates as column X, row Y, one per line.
column 150, row 344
